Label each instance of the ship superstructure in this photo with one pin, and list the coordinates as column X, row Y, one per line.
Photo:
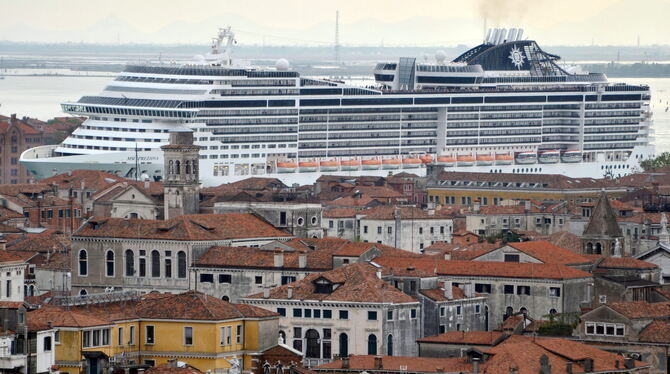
column 503, row 106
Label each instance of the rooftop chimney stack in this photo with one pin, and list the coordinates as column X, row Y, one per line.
column 278, row 258
column 289, row 292
column 345, row 362
column 475, row 365
column 302, row 261
column 378, row 363
column 448, row 290
column 266, row 292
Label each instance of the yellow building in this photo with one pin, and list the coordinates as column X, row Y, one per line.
column 199, row 330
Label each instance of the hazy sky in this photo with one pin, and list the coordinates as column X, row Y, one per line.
column 311, row 22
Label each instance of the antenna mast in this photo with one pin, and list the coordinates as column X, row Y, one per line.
column 337, row 37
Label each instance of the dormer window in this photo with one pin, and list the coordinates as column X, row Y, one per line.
column 323, row 286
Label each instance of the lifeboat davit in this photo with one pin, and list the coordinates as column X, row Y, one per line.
column 465, row 160
column 504, row 159
column 329, row 165
column 571, row 156
column 391, row 164
column 349, row 165
column 484, row 160
column 371, row 164
column 411, row 163
column 526, row 158
column 549, row 157
column 426, row 159
column 446, row 161
column 308, row 166
column 286, row 167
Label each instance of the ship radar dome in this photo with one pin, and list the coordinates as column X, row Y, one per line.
column 440, row 56
column 282, row 64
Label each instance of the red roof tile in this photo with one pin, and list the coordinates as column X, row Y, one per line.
column 657, row 331
column 465, row 338
column 549, row 253
column 401, row 364
column 641, row 309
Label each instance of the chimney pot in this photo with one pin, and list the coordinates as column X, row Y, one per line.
column 279, row 259
column 302, row 261
column 378, row 362
column 290, row 292
column 475, row 365
column 448, row 291
column 266, row 293
column 345, row 362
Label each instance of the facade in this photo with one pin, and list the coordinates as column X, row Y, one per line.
column 407, row 228
column 659, row 256
column 495, row 219
column 145, row 255
column 16, row 136
column 340, row 223
column 456, row 343
column 302, row 219
column 346, row 311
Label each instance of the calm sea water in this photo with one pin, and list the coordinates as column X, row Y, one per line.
column 40, row 97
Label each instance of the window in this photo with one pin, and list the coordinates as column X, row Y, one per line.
column 420, row 230
column 554, row 291
column 379, row 229
column 225, row 278
column 372, row 344
column 482, row 288
column 119, row 336
column 602, row 299
column 590, row 328
column 327, row 314
column 343, row 314
column 443, row 311
column 142, row 265
column 308, row 313
column 238, row 334
column 188, row 335
column 372, row 315
column 168, row 264
column 511, row 257
column 57, row 336
column 331, row 224
column 282, row 218
column 412, row 313
column 150, row 362
column 8, row 288
column 105, row 337
column 206, row 278
column 131, row 338
column 389, row 230
column 478, row 309
column 442, row 329
column 130, row 263
column 459, row 310
column 149, row 335
column 297, row 312
column 281, row 312
column 389, row 315
column 258, row 279
column 47, row 344
column 155, row 264
column 83, row 263
column 365, row 229
column 606, row 329
column 181, row 264
column 109, row 263
column 523, row 290
column 286, row 279
column 509, row 289
column 224, row 336
column 86, row 339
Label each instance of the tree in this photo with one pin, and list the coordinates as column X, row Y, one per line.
column 661, row 161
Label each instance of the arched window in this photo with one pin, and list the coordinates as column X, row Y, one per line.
column 83, row 292
column 225, row 298
column 301, row 221
column 523, row 310
column 589, row 248
column 372, row 344
column 552, row 312
column 344, row 345
column 83, row 263
column 313, row 344
column 109, row 263
column 177, row 167
column 389, row 345
column 181, row 264
column 188, row 167
column 314, row 220
column 130, row 263
column 282, row 336
column 155, row 264
column 508, row 311
column 599, row 248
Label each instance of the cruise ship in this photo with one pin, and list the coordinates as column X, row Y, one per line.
column 503, row 106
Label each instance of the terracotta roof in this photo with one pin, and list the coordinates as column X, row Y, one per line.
column 167, row 369
column 485, row 268
column 340, row 213
column 10, row 304
column 641, row 309
column 546, row 181
column 189, row 228
column 386, row 212
column 549, row 253
column 47, row 241
column 356, row 249
column 465, row 338
column 437, row 294
column 245, row 257
column 567, row 240
column 657, row 331
column 258, row 183
column 354, row 283
column 40, row 319
column 400, row 363
column 193, row 305
column 350, row 201
column 10, row 256
column 625, row 263
column 91, row 179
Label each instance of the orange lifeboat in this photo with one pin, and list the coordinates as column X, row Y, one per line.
column 329, row 165
column 411, row 163
column 371, row 164
column 504, row 159
column 286, row 167
column 465, row 160
column 391, row 163
column 349, row 165
column 446, row 160
column 426, row 159
column 484, row 160
column 307, row 166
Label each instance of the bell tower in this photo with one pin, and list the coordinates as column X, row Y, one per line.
column 181, row 186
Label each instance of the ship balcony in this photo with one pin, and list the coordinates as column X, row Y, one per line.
column 44, row 151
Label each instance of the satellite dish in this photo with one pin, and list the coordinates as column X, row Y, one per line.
column 282, row 64
column 440, row 56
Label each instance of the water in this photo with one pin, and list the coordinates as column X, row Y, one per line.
column 40, row 97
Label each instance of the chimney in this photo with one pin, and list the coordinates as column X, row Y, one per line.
column 448, row 291
column 378, row 363
column 431, row 212
column 477, row 205
column 12, row 118
column 447, row 256
column 629, row 363
column 345, row 362
column 302, row 261
column 568, row 367
column 172, row 363
column 289, row 292
column 475, row 365
column 526, row 206
column 266, row 292
column 545, row 368
column 588, row 365
column 379, row 274
column 469, row 290
column 147, row 184
column 617, row 364
column 279, row 258
column 3, row 244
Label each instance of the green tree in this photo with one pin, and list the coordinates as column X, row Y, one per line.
column 661, row 161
